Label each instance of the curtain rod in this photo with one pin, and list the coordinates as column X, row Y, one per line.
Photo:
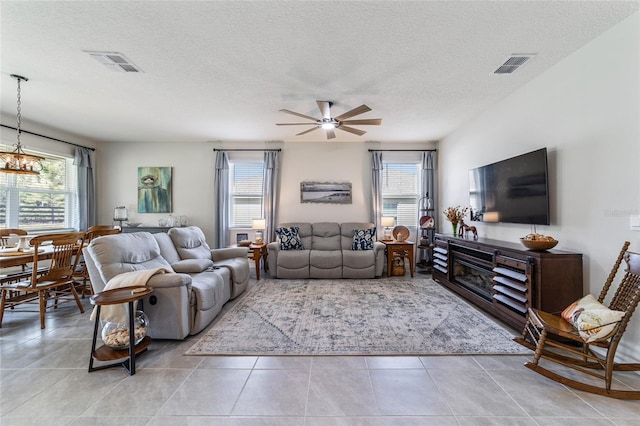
column 47, row 137
column 248, row 149
column 403, row 150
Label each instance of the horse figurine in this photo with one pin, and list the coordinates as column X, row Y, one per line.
column 463, row 229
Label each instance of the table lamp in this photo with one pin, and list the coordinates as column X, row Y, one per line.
column 120, row 215
column 491, row 217
column 259, row 225
column 388, row 222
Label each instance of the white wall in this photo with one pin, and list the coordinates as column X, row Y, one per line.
column 325, row 162
column 193, row 175
column 585, row 110
column 332, row 162
column 37, row 143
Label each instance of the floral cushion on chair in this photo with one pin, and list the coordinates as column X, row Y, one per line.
column 363, row 239
column 592, row 319
column 289, row 238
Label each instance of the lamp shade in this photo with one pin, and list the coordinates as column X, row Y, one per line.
column 387, row 221
column 120, row 213
column 491, row 217
column 258, row 223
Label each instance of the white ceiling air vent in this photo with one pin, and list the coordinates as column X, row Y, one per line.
column 114, row 61
column 512, row 63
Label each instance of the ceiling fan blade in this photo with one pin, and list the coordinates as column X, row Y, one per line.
column 330, row 134
column 295, row 124
column 307, row 131
column 352, row 130
column 299, row 115
column 356, row 111
column 371, row 121
column 325, row 108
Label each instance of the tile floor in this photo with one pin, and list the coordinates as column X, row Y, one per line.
column 44, row 381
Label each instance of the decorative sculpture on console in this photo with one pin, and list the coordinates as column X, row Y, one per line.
column 463, row 229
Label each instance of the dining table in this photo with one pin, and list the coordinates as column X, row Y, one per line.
column 22, row 253
column 17, row 257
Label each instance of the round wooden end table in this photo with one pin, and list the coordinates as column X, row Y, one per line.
column 117, row 296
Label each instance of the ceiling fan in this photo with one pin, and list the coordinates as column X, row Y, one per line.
column 329, row 124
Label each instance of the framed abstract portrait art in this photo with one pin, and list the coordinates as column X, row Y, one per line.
column 154, row 190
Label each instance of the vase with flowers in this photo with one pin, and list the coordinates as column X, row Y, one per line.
column 455, row 215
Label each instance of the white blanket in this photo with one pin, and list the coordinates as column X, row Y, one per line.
column 118, row 313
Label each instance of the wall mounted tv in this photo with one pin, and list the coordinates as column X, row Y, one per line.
column 515, row 190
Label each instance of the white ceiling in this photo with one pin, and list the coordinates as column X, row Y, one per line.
column 221, row 70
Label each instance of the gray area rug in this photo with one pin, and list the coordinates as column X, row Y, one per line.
column 386, row 316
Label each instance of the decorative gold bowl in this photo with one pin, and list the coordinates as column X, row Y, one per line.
column 538, row 245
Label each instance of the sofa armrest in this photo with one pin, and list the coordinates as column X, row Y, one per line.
column 192, row 266
column 273, row 248
column 378, row 246
column 170, row 308
column 229, row 253
column 170, row 280
column 379, row 254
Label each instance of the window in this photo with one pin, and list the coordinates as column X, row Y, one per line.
column 246, row 193
column 400, row 189
column 44, row 202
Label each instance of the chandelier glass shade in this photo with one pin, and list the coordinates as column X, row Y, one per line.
column 18, row 161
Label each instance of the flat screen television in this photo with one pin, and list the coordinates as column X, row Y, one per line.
column 515, row 190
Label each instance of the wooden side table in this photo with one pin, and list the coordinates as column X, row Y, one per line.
column 399, row 249
column 105, row 353
column 258, row 252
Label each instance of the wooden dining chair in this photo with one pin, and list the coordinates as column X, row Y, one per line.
column 7, row 234
column 56, row 283
column 81, row 274
column 99, row 230
column 588, row 344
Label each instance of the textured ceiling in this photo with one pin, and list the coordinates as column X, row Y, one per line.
column 221, row 70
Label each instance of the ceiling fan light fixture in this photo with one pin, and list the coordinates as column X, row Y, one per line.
column 329, row 123
column 18, row 161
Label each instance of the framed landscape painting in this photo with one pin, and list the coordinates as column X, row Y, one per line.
column 325, row 192
column 154, row 190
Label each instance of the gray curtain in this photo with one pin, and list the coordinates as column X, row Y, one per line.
column 84, row 159
column 221, row 190
column 428, row 178
column 376, row 188
column 270, row 192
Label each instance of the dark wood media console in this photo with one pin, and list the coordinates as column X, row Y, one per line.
column 505, row 278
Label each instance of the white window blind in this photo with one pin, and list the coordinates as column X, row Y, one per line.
column 400, row 189
column 44, row 202
column 246, row 193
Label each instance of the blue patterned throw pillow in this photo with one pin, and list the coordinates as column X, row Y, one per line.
column 363, row 239
column 289, row 238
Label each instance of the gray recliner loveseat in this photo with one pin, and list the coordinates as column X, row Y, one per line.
column 327, row 251
column 186, row 301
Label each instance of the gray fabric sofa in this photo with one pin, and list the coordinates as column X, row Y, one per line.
column 326, row 253
column 186, row 301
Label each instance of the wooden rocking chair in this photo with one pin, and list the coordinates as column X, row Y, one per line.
column 555, row 339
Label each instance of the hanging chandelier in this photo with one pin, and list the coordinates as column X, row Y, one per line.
column 17, row 161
